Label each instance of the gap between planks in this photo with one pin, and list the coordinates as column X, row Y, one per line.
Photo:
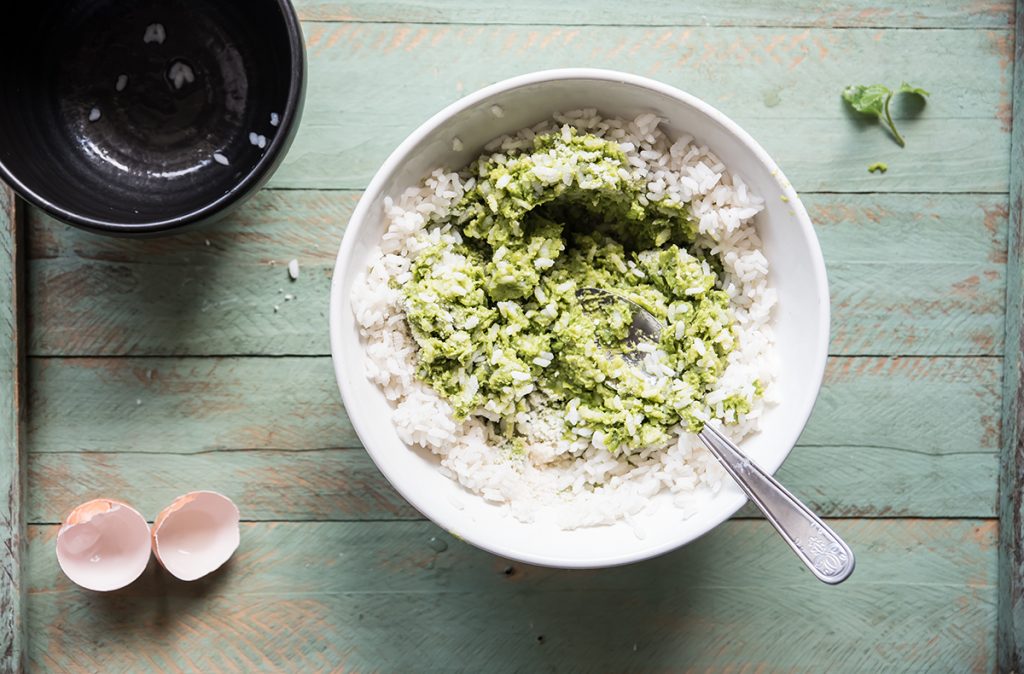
column 740, row 516
column 854, row 193
column 764, row 26
column 828, row 14
column 513, row 23
column 241, row 356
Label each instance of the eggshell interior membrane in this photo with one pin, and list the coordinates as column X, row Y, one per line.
column 196, row 534
column 103, row 545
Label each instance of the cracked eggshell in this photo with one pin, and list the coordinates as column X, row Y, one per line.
column 103, row 545
column 196, row 534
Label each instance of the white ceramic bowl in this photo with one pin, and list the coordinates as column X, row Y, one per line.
column 801, row 319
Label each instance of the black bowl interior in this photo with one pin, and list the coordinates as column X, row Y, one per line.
column 141, row 111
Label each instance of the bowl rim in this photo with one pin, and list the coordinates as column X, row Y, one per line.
column 241, row 189
column 815, row 369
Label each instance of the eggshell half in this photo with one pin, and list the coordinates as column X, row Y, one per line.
column 103, row 545
column 196, row 534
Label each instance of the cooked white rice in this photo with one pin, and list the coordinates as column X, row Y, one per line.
column 576, row 483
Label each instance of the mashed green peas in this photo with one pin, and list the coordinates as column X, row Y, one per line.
column 495, row 313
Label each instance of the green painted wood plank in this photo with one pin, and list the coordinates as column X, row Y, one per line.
column 185, row 405
column 141, row 428
column 343, row 484
column 12, row 469
column 817, row 155
column 910, row 274
column 952, row 308
column 379, row 596
column 102, row 308
column 865, row 481
column 811, row 13
column 1011, row 503
column 934, row 406
column 371, row 84
column 911, row 228
column 315, row 485
column 278, row 224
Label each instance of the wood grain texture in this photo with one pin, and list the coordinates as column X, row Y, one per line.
column 370, row 85
column 317, row 597
column 272, row 434
column 152, row 375
column 910, row 275
column 12, row 514
column 810, row 13
column 1011, row 501
column 314, row 485
column 164, row 405
column 344, row 485
column 934, row 406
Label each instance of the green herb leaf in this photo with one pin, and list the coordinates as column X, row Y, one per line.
column 878, row 167
column 869, row 100
column 907, row 89
column 874, row 100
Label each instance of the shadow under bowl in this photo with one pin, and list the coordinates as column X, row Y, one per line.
column 140, row 116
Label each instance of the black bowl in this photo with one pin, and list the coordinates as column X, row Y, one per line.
column 139, row 116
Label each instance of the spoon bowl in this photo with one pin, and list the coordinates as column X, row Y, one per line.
column 827, row 555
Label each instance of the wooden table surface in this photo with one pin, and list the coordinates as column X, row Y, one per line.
column 156, row 367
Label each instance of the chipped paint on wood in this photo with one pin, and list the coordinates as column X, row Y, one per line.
column 818, row 13
column 184, row 405
column 339, row 596
column 12, row 522
column 330, row 484
column 1011, row 501
column 808, row 130
column 344, row 485
column 192, row 299
column 912, row 274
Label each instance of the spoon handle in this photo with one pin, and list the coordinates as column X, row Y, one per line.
column 826, row 554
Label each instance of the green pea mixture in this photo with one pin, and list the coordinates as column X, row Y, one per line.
column 494, row 310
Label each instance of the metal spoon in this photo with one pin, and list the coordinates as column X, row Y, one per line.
column 827, row 555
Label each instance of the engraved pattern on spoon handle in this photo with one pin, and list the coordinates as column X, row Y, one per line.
column 827, row 555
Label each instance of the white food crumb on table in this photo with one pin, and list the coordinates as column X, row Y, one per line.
column 289, row 297
column 138, row 401
column 275, row 119
column 254, row 138
column 94, row 114
column 207, row 242
column 180, row 74
column 122, row 82
column 276, row 308
column 457, row 144
column 220, row 159
column 497, row 111
column 155, row 33
column 293, row 269
column 261, row 140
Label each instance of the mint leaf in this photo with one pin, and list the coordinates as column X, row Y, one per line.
column 907, row 89
column 874, row 100
column 869, row 100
